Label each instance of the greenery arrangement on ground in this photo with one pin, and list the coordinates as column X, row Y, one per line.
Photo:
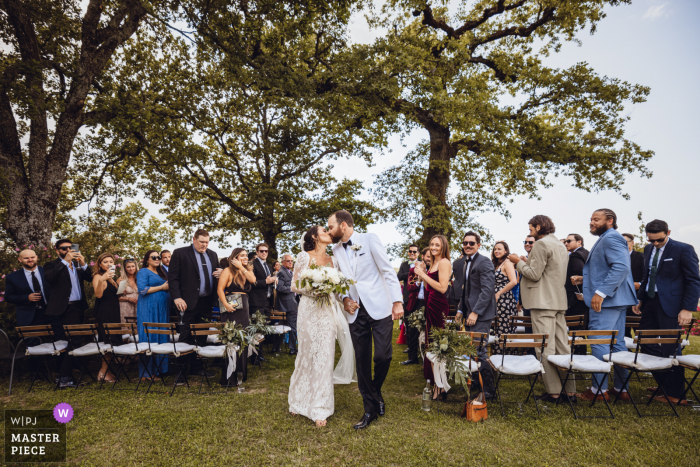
column 127, row 428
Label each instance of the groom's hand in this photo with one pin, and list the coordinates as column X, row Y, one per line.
column 350, row 305
column 397, row 311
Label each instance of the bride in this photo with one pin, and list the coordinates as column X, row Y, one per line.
column 318, row 326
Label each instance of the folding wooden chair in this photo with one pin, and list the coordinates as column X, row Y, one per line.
column 84, row 353
column 519, row 366
column 637, row 362
column 41, row 351
column 689, row 362
column 584, row 364
column 174, row 351
column 281, row 328
column 126, row 352
column 481, row 339
column 206, row 352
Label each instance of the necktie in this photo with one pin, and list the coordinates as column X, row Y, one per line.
column 267, row 274
column 37, row 289
column 347, row 244
column 469, row 284
column 207, row 280
column 652, row 277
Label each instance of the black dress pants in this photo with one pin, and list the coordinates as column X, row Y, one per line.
column 363, row 331
column 197, row 315
column 653, row 317
column 485, row 369
column 412, row 333
column 72, row 315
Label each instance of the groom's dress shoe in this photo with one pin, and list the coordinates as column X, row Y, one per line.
column 381, row 409
column 410, row 362
column 365, row 421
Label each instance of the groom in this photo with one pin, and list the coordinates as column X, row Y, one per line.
column 373, row 301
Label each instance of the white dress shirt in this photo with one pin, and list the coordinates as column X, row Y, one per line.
column 466, row 274
column 28, row 275
column 75, row 295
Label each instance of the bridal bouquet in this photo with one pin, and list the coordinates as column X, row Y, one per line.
column 322, row 281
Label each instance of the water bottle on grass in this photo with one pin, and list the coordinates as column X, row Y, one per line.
column 427, row 397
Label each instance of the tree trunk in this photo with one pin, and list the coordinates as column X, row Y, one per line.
column 436, row 216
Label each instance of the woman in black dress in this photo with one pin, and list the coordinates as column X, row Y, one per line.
column 107, row 308
column 236, row 278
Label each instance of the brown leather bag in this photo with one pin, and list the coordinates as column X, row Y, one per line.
column 475, row 409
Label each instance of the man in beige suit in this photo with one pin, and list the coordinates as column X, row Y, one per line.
column 542, row 290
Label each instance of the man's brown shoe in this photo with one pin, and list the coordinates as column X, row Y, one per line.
column 673, row 400
column 590, row 395
column 624, row 397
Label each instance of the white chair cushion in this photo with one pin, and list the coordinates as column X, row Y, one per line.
column 280, row 329
column 130, row 349
column 90, row 349
column 492, row 340
column 644, row 362
column 211, row 351
column 47, row 348
column 167, row 348
column 631, row 346
column 585, row 363
column 689, row 360
column 516, row 364
column 520, row 329
column 129, row 337
column 213, row 339
column 177, row 338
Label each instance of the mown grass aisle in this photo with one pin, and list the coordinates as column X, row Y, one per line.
column 124, row 428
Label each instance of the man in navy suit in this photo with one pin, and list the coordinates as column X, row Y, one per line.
column 668, row 294
column 28, row 290
column 285, row 299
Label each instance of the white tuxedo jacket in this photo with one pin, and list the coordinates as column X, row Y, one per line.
column 376, row 283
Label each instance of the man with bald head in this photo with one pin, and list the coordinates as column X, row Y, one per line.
column 285, row 299
column 27, row 289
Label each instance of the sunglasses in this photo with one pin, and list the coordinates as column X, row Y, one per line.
column 468, row 243
column 262, row 251
column 529, row 243
column 155, row 258
column 568, row 241
column 660, row 240
column 64, row 248
column 413, row 251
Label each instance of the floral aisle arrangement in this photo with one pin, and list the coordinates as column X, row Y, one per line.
column 235, row 338
column 417, row 319
column 256, row 331
column 322, row 282
column 453, row 350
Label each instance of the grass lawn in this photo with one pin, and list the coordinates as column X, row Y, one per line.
column 127, row 428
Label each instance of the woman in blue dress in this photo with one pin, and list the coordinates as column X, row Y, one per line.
column 153, row 307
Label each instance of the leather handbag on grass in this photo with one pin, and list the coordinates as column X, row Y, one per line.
column 475, row 409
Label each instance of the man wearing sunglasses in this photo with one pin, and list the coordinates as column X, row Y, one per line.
column 261, row 294
column 67, row 302
column 576, row 306
column 668, row 294
column 405, row 274
column 528, row 243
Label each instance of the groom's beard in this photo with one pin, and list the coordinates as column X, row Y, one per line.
column 335, row 237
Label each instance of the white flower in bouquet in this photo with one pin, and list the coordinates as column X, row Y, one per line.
column 322, row 282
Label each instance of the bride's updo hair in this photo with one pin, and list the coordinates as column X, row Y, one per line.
column 309, row 240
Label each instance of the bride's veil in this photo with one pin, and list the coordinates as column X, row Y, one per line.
column 344, row 372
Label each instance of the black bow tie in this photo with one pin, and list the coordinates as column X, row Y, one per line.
column 469, row 259
column 346, row 244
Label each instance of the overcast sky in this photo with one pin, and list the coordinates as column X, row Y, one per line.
column 651, row 42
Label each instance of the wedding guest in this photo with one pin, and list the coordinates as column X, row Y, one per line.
column 528, row 243
column 237, row 278
column 67, row 302
column 130, row 297
column 543, row 274
column 285, row 299
column 436, row 306
column 107, row 309
column 506, row 306
column 637, row 267
column 29, row 291
column 165, row 256
column 262, row 292
column 608, row 289
column 575, row 307
column 405, row 275
column 153, row 307
column 276, row 268
column 668, row 295
column 478, row 300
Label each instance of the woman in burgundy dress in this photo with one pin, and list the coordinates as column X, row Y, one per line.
column 436, row 304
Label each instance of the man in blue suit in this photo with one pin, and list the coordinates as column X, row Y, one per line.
column 668, row 294
column 608, row 289
column 27, row 289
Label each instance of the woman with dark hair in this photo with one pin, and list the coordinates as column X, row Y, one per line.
column 153, row 307
column 437, row 307
column 130, row 297
column 237, row 278
column 106, row 305
column 506, row 304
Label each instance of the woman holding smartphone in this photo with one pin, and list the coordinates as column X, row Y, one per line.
column 107, row 309
column 237, row 278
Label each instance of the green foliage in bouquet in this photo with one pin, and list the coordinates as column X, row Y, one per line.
column 231, row 333
column 417, row 319
column 322, row 282
column 454, row 349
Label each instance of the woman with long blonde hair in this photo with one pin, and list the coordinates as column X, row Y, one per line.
column 234, row 284
column 107, row 309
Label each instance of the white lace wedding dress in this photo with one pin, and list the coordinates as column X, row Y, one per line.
column 311, row 385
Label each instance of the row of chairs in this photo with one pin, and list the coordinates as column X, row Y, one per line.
column 576, row 366
column 40, row 343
